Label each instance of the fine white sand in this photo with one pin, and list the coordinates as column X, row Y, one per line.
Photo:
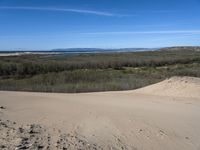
column 163, row 116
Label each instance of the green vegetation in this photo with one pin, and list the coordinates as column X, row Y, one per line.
column 95, row 72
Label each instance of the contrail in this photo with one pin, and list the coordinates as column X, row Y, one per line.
column 62, row 10
column 146, row 32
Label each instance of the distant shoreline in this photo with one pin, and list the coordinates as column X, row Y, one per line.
column 57, row 52
column 5, row 54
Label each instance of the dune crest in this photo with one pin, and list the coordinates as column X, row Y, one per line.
column 175, row 86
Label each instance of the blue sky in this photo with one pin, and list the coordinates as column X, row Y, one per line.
column 49, row 24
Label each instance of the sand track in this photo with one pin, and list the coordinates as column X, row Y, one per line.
column 158, row 117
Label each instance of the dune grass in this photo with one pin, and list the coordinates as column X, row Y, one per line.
column 95, row 72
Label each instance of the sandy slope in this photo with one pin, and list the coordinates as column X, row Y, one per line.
column 164, row 116
column 175, row 86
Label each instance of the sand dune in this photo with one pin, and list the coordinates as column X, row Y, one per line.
column 164, row 116
column 175, row 86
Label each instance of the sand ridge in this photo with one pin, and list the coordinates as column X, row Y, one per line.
column 176, row 86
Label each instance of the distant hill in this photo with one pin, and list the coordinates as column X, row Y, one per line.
column 101, row 50
column 104, row 50
column 178, row 48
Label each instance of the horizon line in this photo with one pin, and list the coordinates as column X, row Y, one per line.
column 100, row 48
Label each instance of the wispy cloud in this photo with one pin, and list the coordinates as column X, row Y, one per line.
column 83, row 11
column 175, row 33
column 159, row 11
column 100, row 13
column 145, row 32
column 178, row 37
